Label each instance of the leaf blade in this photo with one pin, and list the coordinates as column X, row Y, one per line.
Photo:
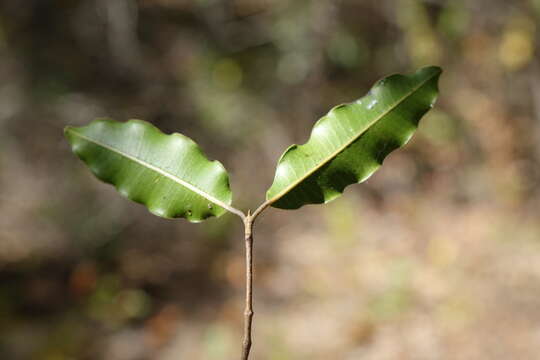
column 167, row 173
column 349, row 144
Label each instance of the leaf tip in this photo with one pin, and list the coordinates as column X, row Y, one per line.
column 430, row 71
column 67, row 129
column 68, row 133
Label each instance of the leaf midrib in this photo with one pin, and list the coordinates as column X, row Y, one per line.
column 156, row 169
column 342, row 148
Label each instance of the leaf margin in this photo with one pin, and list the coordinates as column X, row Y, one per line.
column 71, row 133
column 272, row 200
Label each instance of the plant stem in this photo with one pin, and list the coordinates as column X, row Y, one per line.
column 260, row 209
column 248, row 312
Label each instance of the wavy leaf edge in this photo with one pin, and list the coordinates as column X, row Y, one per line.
column 435, row 73
column 72, row 132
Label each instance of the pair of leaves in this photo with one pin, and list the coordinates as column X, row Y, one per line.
column 172, row 177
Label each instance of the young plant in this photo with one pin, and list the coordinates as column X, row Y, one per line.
column 171, row 176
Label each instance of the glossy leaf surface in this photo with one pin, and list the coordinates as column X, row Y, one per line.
column 350, row 143
column 167, row 173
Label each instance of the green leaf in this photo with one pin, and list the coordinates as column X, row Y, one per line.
column 167, row 173
column 350, row 143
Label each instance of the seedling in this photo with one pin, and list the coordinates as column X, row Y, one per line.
column 171, row 176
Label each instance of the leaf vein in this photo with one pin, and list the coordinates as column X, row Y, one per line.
column 347, row 143
column 160, row 171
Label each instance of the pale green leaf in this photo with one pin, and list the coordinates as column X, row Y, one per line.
column 167, row 173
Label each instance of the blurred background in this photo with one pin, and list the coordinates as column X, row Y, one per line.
column 437, row 256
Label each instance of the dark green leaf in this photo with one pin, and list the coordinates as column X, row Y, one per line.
column 350, row 143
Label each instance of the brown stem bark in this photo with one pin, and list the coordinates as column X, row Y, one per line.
column 248, row 312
